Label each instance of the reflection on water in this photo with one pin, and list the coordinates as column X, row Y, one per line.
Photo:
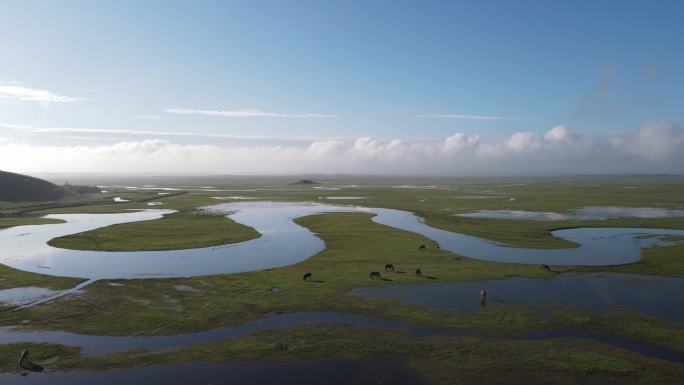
column 658, row 296
column 284, row 243
column 327, row 371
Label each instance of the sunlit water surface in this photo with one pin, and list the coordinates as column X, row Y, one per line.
column 283, row 242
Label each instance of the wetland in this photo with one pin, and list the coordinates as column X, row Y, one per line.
column 217, row 288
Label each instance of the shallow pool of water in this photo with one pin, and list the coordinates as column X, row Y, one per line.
column 324, row 371
column 596, row 292
column 341, row 198
column 235, row 198
column 283, row 242
column 22, row 295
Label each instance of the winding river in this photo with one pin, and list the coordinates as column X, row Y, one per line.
column 283, row 242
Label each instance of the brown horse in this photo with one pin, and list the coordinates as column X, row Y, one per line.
column 419, row 273
column 421, row 247
column 375, row 274
column 389, row 267
column 544, row 266
column 307, row 277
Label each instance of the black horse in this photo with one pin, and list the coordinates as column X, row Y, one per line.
column 544, row 266
column 389, row 267
column 307, row 277
column 421, row 247
column 375, row 274
column 419, row 273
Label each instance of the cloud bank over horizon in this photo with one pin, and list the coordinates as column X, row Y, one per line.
column 653, row 148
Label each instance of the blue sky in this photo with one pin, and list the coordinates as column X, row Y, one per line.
column 413, row 71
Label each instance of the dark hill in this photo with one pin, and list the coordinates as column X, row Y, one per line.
column 24, row 188
column 305, row 181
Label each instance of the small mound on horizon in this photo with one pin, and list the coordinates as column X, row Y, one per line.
column 305, row 181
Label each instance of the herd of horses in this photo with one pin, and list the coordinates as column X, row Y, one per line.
column 373, row 274
column 419, row 274
column 390, row 268
column 376, row 274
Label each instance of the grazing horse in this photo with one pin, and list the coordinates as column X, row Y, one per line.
column 419, row 273
column 307, row 277
column 375, row 274
column 26, row 364
column 389, row 267
column 421, row 247
column 23, row 357
column 544, row 266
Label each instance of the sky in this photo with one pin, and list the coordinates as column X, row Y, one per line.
column 354, row 87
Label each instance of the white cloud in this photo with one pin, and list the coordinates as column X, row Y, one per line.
column 459, row 142
column 245, row 113
column 323, row 148
column 20, row 93
column 474, row 117
column 559, row 133
column 653, row 148
column 655, row 141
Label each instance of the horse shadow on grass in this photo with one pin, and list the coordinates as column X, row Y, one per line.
column 427, row 276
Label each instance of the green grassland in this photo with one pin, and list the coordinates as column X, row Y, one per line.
column 355, row 246
column 436, row 205
column 452, row 196
column 23, row 221
column 10, row 278
column 180, row 230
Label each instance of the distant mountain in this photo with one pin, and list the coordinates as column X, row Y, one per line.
column 24, row 188
column 305, row 181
